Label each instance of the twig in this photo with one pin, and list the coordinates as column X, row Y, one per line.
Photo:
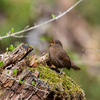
column 36, row 26
column 21, row 36
column 10, row 77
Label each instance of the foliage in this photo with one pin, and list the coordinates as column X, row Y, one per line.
column 33, row 83
column 1, row 64
column 7, row 50
column 12, row 30
column 22, row 82
column 11, row 48
column 53, row 16
column 8, row 72
column 14, row 72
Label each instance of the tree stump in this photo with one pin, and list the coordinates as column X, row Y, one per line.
column 28, row 77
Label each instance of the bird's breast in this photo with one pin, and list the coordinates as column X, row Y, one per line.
column 53, row 56
column 52, row 53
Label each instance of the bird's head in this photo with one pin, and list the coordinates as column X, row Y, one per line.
column 56, row 43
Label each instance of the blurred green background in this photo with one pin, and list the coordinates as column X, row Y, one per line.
column 80, row 28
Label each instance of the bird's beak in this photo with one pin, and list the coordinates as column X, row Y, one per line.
column 52, row 43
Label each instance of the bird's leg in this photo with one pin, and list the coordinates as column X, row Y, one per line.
column 61, row 71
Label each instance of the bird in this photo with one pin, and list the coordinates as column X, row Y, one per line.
column 59, row 58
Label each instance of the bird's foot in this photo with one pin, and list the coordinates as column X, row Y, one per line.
column 61, row 71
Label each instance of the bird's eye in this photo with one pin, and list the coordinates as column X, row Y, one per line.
column 56, row 42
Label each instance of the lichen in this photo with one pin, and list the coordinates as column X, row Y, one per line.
column 28, row 45
column 60, row 84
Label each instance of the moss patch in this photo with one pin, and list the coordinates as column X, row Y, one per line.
column 61, row 85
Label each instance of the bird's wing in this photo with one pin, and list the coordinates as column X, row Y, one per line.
column 63, row 59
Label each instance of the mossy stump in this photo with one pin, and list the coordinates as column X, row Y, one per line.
column 26, row 77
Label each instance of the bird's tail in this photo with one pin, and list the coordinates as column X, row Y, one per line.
column 74, row 66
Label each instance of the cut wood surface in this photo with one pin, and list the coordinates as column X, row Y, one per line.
column 27, row 77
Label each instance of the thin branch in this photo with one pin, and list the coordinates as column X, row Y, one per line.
column 21, row 36
column 36, row 26
column 10, row 77
column 1, row 55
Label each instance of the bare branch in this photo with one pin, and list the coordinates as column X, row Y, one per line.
column 36, row 26
column 10, row 77
column 21, row 36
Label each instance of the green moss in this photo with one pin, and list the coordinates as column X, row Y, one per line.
column 61, row 84
column 31, row 69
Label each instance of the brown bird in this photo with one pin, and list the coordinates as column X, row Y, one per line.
column 59, row 58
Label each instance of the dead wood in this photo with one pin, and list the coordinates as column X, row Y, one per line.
column 33, row 79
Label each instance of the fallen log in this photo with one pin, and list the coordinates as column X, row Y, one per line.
column 28, row 77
